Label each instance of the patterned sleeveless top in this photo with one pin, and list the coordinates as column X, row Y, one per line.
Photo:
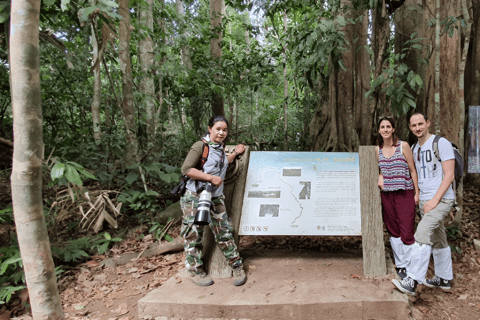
column 396, row 175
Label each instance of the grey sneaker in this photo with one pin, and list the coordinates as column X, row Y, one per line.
column 407, row 285
column 438, row 282
column 239, row 276
column 201, row 279
column 402, row 273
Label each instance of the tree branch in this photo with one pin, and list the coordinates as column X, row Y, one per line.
column 6, row 143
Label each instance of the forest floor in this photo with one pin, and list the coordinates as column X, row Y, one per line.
column 91, row 290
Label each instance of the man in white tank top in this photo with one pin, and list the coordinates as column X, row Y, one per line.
column 436, row 200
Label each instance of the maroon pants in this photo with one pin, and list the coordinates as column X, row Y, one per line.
column 398, row 209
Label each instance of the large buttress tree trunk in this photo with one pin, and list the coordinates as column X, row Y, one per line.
column 364, row 109
column 380, row 36
column 333, row 125
column 131, row 152
column 216, row 12
column 409, row 19
column 26, row 179
column 147, row 86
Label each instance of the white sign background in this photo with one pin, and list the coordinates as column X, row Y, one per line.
column 302, row 193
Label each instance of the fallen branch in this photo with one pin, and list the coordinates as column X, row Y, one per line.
column 6, row 143
column 156, row 249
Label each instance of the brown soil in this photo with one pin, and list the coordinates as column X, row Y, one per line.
column 90, row 290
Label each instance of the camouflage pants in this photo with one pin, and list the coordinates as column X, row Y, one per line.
column 220, row 224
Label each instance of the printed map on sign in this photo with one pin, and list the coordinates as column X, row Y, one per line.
column 302, row 193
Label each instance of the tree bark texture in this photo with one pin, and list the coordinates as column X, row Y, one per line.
column 437, row 67
column 374, row 263
column 26, row 178
column 461, row 93
column 408, row 19
column 363, row 107
column 473, row 70
column 285, row 88
column 449, row 122
column 333, row 126
column 216, row 13
column 131, row 151
column 97, row 88
column 380, row 36
column 147, row 86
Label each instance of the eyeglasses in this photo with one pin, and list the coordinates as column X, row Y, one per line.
column 419, row 153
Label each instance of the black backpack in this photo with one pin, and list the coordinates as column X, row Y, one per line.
column 459, row 167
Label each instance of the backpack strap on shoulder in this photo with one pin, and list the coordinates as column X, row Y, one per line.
column 206, row 150
column 436, row 152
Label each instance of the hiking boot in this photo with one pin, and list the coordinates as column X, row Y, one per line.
column 407, row 285
column 239, row 276
column 438, row 282
column 201, row 279
column 402, row 273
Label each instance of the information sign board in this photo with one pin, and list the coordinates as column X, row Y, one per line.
column 302, row 193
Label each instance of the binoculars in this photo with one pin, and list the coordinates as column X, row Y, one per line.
column 202, row 217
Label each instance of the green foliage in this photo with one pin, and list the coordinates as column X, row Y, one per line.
column 11, row 271
column 7, row 291
column 6, row 215
column 103, row 241
column 140, row 200
column 4, row 11
column 73, row 251
column 70, row 171
column 399, row 82
column 453, row 232
column 157, row 230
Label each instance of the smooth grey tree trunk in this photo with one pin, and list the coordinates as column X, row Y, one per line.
column 26, row 179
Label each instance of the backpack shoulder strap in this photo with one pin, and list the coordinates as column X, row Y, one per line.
column 206, row 150
column 435, row 147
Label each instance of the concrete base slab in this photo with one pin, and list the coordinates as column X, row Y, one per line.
column 283, row 285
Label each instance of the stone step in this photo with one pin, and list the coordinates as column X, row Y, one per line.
column 283, row 285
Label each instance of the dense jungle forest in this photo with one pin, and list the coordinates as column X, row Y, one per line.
column 127, row 86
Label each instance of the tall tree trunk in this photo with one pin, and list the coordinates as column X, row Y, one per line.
column 147, row 86
column 97, row 87
column 473, row 97
column 26, row 179
column 333, row 128
column 216, row 12
column 380, row 36
column 461, row 93
column 437, row 67
column 285, row 87
column 131, row 152
column 364, row 109
column 158, row 64
column 409, row 19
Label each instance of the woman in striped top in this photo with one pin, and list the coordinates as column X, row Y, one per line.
column 399, row 191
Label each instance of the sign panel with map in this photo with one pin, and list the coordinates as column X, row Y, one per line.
column 302, row 193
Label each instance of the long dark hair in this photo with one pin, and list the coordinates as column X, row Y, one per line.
column 394, row 135
column 214, row 120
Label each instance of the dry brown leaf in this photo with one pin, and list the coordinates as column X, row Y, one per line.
column 463, row 297
column 356, row 276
